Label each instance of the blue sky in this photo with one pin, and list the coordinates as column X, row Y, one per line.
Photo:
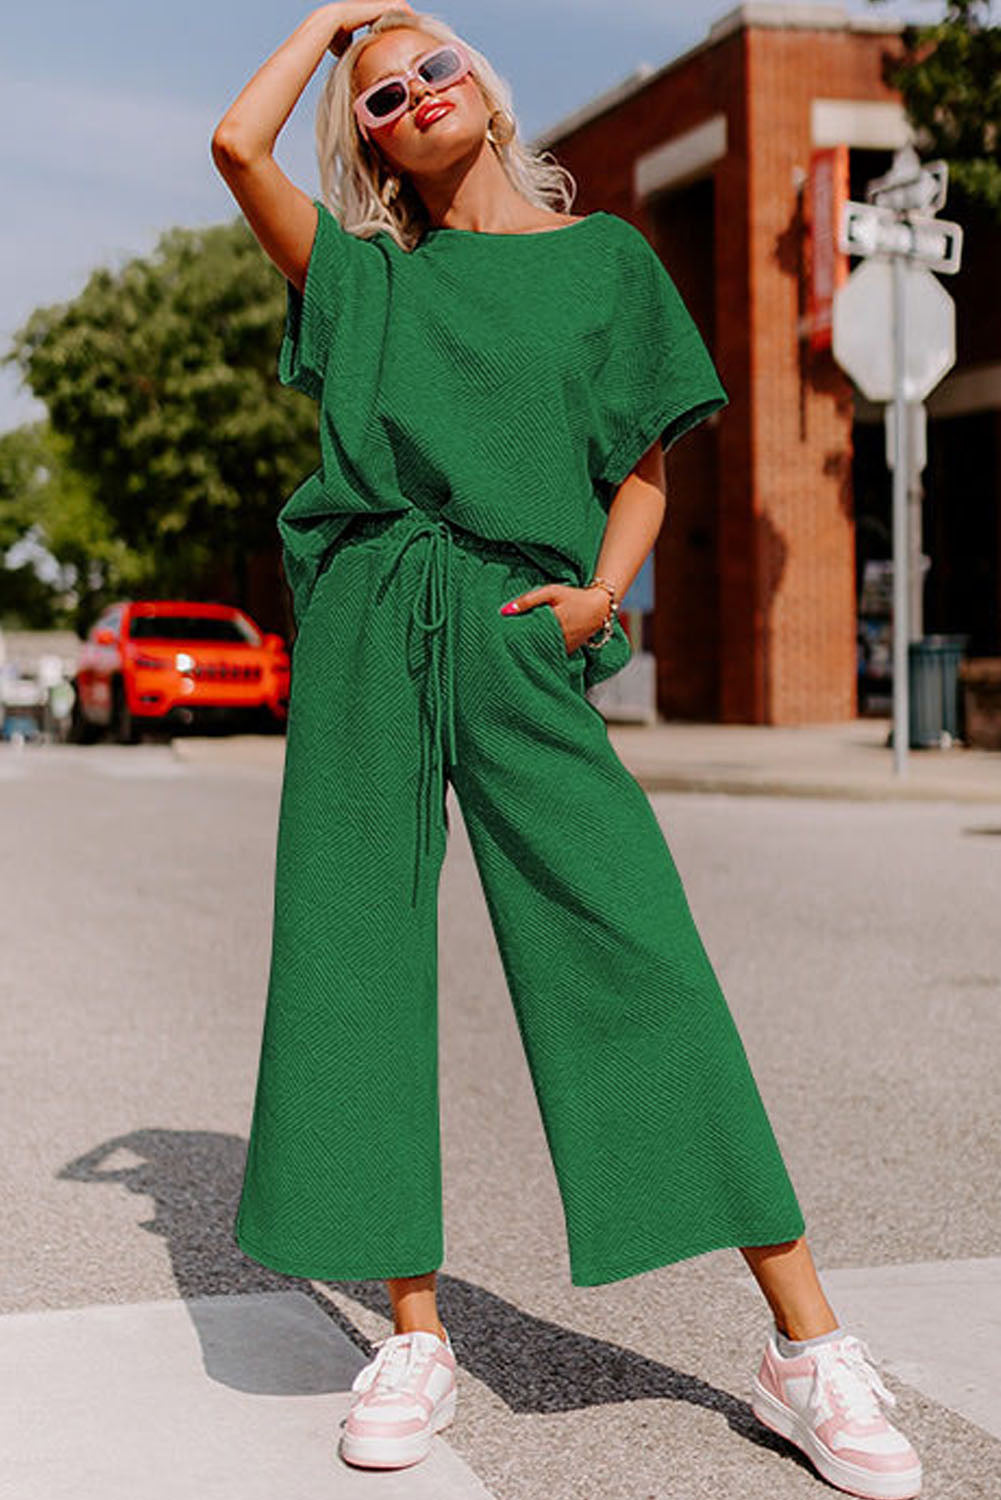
column 107, row 110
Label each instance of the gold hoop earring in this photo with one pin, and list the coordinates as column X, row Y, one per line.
column 389, row 190
column 500, row 127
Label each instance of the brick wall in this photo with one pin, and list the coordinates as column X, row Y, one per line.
column 770, row 480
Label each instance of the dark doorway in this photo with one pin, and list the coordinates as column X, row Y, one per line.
column 686, row 614
column 960, row 528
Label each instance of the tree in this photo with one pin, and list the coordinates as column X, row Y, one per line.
column 47, row 507
column 161, row 381
column 949, row 77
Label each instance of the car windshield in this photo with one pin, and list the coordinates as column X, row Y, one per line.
column 227, row 628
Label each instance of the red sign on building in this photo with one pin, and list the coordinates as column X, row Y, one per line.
column 826, row 192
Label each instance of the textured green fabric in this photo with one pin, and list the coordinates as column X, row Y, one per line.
column 509, row 382
column 480, row 400
column 659, row 1139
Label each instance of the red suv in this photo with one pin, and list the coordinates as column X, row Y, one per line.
column 158, row 664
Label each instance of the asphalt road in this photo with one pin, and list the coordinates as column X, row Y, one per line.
column 860, row 948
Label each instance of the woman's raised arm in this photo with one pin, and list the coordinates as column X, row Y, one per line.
column 280, row 214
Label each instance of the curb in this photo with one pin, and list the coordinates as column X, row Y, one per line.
column 267, row 753
column 666, row 781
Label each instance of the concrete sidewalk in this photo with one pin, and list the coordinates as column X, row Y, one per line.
column 852, row 759
column 213, row 1397
column 849, row 759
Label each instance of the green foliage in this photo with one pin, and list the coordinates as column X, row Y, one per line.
column 21, row 458
column 44, row 499
column 950, row 82
column 160, row 379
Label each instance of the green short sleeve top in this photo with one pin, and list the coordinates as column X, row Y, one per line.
column 508, row 382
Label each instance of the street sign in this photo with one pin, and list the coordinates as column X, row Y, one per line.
column 894, row 331
column 911, row 185
column 863, row 330
column 867, row 230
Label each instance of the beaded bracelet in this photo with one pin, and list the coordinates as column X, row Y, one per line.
column 597, row 641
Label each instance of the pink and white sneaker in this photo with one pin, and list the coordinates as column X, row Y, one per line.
column 407, row 1394
column 825, row 1401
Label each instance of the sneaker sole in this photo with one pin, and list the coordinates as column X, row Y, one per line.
column 397, row 1453
column 773, row 1414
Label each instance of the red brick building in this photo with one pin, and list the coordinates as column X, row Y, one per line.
column 775, row 503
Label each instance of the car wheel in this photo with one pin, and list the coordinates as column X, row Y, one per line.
column 81, row 730
column 123, row 725
column 269, row 722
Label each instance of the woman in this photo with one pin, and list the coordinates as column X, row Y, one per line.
column 497, row 381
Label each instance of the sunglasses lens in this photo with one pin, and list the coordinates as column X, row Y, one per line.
column 386, row 99
column 441, row 65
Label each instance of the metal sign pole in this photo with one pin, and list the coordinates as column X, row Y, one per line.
column 902, row 243
column 901, row 571
column 915, row 541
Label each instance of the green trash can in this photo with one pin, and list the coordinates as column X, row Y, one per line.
column 933, row 690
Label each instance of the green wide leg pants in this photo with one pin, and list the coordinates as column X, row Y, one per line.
column 405, row 678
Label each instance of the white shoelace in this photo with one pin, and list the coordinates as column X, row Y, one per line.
column 400, row 1356
column 846, row 1364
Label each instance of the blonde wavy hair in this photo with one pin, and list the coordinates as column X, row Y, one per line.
column 353, row 174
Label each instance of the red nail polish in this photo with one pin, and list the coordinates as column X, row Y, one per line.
column 509, row 609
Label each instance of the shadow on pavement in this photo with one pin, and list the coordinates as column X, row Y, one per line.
column 532, row 1364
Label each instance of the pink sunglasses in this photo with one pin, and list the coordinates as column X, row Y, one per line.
column 388, row 99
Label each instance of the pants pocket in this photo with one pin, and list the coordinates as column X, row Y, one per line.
column 554, row 629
